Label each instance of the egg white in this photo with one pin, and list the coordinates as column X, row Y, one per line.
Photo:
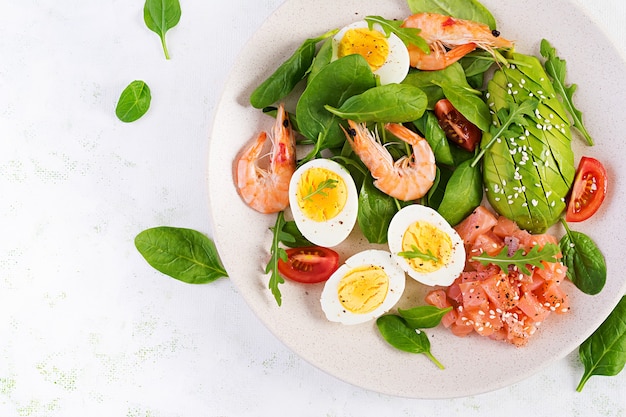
column 329, row 299
column 398, row 226
column 396, row 66
column 333, row 231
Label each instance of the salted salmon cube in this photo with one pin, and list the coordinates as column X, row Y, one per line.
column 533, row 308
column 553, row 297
column 478, row 222
column 502, row 294
column 474, row 296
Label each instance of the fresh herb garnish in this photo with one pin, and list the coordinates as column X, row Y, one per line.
column 398, row 334
column 160, row 16
column 555, row 67
column 415, row 252
column 134, row 102
column 277, row 253
column 519, row 259
column 410, row 36
column 604, row 352
column 586, row 266
column 184, row 254
column 319, row 189
column 507, row 117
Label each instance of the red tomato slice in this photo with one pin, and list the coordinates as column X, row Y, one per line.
column 458, row 129
column 588, row 190
column 309, row 264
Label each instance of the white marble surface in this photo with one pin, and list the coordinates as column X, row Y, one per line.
column 87, row 328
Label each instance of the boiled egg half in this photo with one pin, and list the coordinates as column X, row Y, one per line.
column 365, row 287
column 387, row 56
column 426, row 246
column 323, row 200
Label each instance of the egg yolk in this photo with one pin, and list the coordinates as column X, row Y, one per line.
column 371, row 44
column 321, row 194
column 363, row 289
column 427, row 239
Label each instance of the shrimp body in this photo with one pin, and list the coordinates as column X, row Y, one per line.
column 266, row 190
column 406, row 179
column 450, row 39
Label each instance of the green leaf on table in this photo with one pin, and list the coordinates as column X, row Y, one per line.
column 184, row 254
column 160, row 16
column 134, row 102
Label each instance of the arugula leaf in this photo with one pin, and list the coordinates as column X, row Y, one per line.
column 184, row 254
column 277, row 253
column 534, row 257
column 324, row 185
column 160, row 16
column 555, row 67
column 134, row 101
column 410, row 36
column 514, row 115
column 604, row 352
column 415, row 252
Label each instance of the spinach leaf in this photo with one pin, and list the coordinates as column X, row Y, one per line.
column 436, row 137
column 604, row 352
column 462, row 9
column 464, row 192
column 184, row 254
column 287, row 75
column 399, row 335
column 409, row 36
column 390, row 103
column 160, row 16
column 374, row 213
column 429, row 81
column 333, row 85
column 323, row 58
column 134, row 102
column 555, row 67
column 292, row 236
column 469, row 103
column 586, row 266
column 423, row 317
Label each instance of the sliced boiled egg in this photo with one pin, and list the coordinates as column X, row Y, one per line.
column 387, row 56
column 426, row 246
column 323, row 200
column 365, row 287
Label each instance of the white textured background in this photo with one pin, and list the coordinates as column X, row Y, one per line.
column 87, row 328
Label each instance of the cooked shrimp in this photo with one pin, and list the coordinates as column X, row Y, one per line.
column 267, row 189
column 443, row 32
column 406, row 179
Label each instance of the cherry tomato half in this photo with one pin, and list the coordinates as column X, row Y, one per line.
column 588, row 190
column 309, row 264
column 458, row 129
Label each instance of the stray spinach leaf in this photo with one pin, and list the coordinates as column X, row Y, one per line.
column 604, row 352
column 184, row 254
column 134, row 102
column 424, row 317
column 399, row 335
column 586, row 266
column 160, row 16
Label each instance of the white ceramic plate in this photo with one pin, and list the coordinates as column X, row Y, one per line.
column 357, row 354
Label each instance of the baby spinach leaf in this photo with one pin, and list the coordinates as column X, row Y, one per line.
column 134, row 102
column 323, row 58
column 423, row 317
column 160, row 16
column 410, row 36
column 429, row 81
column 292, row 237
column 555, row 67
column 333, row 85
column 469, row 103
column 464, row 192
column 519, row 259
column 399, row 335
column 462, row 9
column 287, row 75
column 604, row 352
column 375, row 211
column 184, row 254
column 586, row 266
column 391, row 103
column 436, row 137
